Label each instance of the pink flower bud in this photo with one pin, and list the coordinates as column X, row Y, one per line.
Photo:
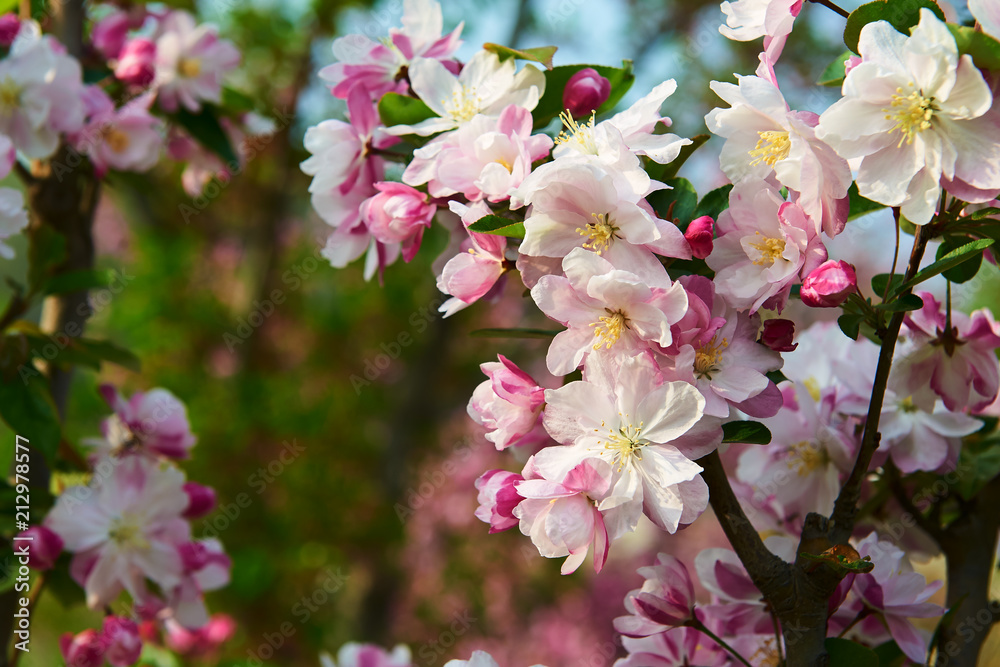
column 497, row 499
column 83, row 650
column 121, row 636
column 585, row 91
column 699, row 235
column 137, row 62
column 398, row 214
column 851, row 63
column 109, row 34
column 201, row 500
column 665, row 600
column 10, row 25
column 194, row 556
column 829, row 284
column 44, row 547
column 778, row 335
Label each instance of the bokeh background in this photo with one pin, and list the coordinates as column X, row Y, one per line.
column 332, row 424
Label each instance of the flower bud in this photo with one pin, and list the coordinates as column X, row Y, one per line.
column 121, row 636
column 137, row 62
column 44, row 547
column 109, row 34
column 699, row 235
column 201, row 500
column 665, row 600
column 584, row 92
column 83, row 650
column 398, row 214
column 778, row 335
column 10, row 25
column 829, row 284
column 497, row 499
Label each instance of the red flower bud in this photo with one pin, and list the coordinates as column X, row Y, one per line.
column 585, row 91
column 778, row 335
column 829, row 284
column 699, row 235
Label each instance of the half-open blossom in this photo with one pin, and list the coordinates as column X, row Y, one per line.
column 829, row 284
column 747, row 20
column 137, row 62
column 680, row 647
column 154, row 422
column 737, row 605
column 201, row 500
column 378, row 67
column 121, row 637
column 354, row 654
column 585, row 91
column 508, row 404
column 765, row 245
column 919, row 116
column 764, row 137
column 191, row 61
column 666, row 599
column 497, row 499
column 622, row 414
column 700, row 235
column 125, row 529
column 201, row 642
column 486, row 85
column 44, row 547
column 561, row 516
column 959, row 364
column 398, row 214
column 85, row 649
column 476, row 271
column 605, row 307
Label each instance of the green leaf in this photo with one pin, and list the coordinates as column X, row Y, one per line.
column 901, row 14
column 714, row 203
column 75, row 281
column 965, row 271
column 513, row 333
column 777, row 377
column 834, row 74
column 26, row 406
column 670, row 169
column 980, row 463
column 845, row 653
column 965, row 253
column 985, row 50
column 499, row 225
column 901, row 304
column 879, row 282
column 984, row 213
column 62, row 351
column 396, row 109
column 551, row 104
column 205, row 128
column 678, row 203
column 850, row 325
column 46, row 251
column 108, row 351
column 745, row 432
column 889, row 655
column 538, row 54
column 236, row 101
column 92, row 75
column 859, row 205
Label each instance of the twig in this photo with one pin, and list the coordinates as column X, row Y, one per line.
column 830, row 5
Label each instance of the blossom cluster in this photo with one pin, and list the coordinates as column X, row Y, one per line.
column 128, row 530
column 673, row 327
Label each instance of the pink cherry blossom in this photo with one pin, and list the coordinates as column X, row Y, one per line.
column 127, row 139
column 497, row 499
column 681, row 647
column 700, row 234
column 665, row 600
column 137, row 62
column 476, row 270
column 605, row 307
column 121, row 637
column 737, row 605
column 153, row 422
column 206, row 567
column 829, row 284
column 771, row 19
column 109, row 34
column 763, row 137
column 561, row 517
column 44, row 547
column 508, row 404
column 585, row 91
column 376, row 67
column 201, row 642
column 765, row 245
column 85, row 649
column 959, row 364
column 398, row 214
column 354, row 654
column 191, row 61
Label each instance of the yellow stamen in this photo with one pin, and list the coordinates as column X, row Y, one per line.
column 912, row 113
column 625, row 444
column 10, row 94
column 463, row 105
column 906, row 405
column 773, row 146
column 189, row 68
column 581, row 134
column 805, row 457
column 708, row 357
column 599, row 234
column 506, row 165
column 117, row 140
column 770, row 250
column 609, row 328
column 126, row 532
column 812, row 386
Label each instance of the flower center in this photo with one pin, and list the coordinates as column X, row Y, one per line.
column 608, row 328
column 505, row 164
column 10, row 94
column 767, row 655
column 906, row 405
column 772, row 147
column 189, row 68
column 770, row 249
column 812, row 386
column 126, row 532
column 121, row 437
column 708, row 358
column 625, row 443
column 117, row 140
column 599, row 233
column 805, row 457
column 463, row 105
column 912, row 113
column 581, row 134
